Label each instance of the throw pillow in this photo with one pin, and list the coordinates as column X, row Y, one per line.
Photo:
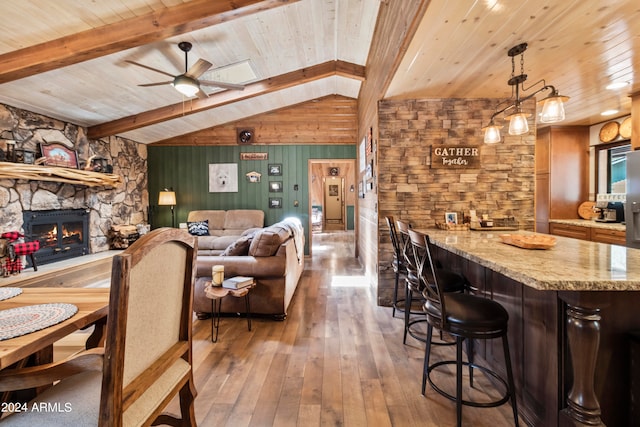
column 239, row 247
column 198, row 228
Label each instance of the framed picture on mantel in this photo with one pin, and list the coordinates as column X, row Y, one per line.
column 56, row 154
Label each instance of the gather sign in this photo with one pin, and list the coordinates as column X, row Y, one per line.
column 455, row 157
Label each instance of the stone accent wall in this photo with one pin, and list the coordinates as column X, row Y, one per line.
column 126, row 204
column 411, row 190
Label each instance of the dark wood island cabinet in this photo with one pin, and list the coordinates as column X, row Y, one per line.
column 571, row 310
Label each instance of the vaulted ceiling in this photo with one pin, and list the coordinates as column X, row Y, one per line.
column 68, row 59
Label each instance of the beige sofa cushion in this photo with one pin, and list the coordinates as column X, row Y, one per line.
column 267, row 241
column 239, row 220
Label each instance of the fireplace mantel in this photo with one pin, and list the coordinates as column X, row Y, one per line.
column 58, row 174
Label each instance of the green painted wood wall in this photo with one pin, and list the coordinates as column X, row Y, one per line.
column 186, row 170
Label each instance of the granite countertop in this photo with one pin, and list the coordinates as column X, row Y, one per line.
column 571, row 265
column 591, row 223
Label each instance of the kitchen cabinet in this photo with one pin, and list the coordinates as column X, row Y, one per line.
column 613, row 237
column 568, row 230
column 592, row 231
column 562, row 173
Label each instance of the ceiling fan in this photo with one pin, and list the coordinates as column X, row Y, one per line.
column 188, row 83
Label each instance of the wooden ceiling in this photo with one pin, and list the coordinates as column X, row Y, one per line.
column 67, row 59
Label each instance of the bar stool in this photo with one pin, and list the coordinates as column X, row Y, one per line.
column 399, row 265
column 464, row 316
column 452, row 282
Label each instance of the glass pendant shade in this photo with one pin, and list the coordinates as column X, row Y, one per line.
column 186, row 85
column 552, row 109
column 518, row 124
column 492, row 134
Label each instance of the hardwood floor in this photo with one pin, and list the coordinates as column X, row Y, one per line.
column 337, row 360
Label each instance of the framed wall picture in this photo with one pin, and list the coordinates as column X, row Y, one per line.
column 58, row 155
column 275, row 186
column 451, row 218
column 223, row 178
column 275, row 202
column 275, row 169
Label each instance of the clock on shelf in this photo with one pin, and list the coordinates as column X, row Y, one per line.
column 334, row 171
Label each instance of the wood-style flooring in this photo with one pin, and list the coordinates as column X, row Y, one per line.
column 337, row 360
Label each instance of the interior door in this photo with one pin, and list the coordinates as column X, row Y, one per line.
column 333, row 199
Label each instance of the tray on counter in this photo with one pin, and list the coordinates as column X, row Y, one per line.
column 529, row 241
column 494, row 228
column 498, row 224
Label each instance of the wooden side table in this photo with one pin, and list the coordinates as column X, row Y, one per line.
column 216, row 294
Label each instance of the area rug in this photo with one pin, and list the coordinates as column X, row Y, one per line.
column 6, row 293
column 15, row 322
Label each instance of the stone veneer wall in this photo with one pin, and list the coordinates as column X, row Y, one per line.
column 409, row 189
column 126, row 204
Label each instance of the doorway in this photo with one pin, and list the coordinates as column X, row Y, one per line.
column 332, row 197
column 334, row 214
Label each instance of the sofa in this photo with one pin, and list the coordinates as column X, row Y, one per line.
column 217, row 229
column 273, row 256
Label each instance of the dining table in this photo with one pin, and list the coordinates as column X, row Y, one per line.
column 92, row 307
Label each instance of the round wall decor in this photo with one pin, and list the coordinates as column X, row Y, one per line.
column 609, row 131
column 245, row 136
column 625, row 128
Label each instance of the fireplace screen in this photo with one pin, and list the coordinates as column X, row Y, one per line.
column 62, row 234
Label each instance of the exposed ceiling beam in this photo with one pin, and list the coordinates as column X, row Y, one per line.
column 126, row 34
column 262, row 87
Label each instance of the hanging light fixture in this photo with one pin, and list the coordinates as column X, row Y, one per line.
column 186, row 85
column 552, row 105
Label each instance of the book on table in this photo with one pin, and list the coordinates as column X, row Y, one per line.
column 237, row 282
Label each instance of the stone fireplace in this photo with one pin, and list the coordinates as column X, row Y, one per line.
column 100, row 206
column 62, row 233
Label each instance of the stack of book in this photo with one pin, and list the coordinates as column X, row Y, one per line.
column 237, row 282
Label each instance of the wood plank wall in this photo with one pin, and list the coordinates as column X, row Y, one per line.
column 397, row 23
column 328, row 120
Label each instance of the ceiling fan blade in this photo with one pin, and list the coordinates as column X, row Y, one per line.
column 156, row 84
column 198, row 68
column 221, row 84
column 150, row 68
column 201, row 94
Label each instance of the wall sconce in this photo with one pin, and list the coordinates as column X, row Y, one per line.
column 168, row 198
column 552, row 104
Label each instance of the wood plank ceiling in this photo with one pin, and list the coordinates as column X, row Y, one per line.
column 66, row 59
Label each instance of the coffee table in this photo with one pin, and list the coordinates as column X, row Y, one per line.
column 216, row 294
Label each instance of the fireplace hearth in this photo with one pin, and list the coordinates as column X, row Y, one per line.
column 63, row 234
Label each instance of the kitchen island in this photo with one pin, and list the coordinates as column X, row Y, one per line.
column 571, row 309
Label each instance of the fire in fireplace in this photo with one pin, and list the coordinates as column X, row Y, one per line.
column 62, row 233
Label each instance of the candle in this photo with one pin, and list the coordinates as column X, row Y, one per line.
column 217, row 275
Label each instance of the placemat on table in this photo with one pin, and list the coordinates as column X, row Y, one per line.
column 15, row 322
column 6, row 293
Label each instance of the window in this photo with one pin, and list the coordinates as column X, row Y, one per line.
column 611, row 167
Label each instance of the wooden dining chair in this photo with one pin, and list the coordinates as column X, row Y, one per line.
column 147, row 358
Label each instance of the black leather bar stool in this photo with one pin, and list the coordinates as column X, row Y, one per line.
column 414, row 286
column 399, row 265
column 464, row 316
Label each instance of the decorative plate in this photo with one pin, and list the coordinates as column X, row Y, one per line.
column 625, row 128
column 609, row 131
column 15, row 322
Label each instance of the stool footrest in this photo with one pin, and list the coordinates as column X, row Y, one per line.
column 505, row 398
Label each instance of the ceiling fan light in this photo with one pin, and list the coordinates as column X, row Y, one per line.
column 186, row 85
column 518, row 124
